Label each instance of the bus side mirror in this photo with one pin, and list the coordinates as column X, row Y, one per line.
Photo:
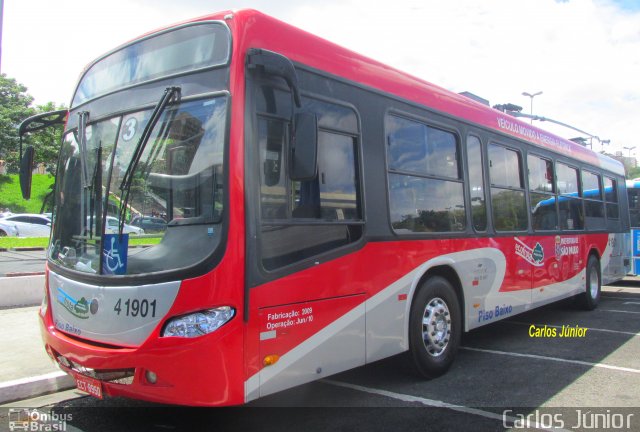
column 26, row 172
column 304, row 147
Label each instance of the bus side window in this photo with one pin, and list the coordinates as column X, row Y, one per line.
column 570, row 203
column 425, row 184
column 544, row 214
column 301, row 219
column 332, row 194
column 476, row 183
column 508, row 202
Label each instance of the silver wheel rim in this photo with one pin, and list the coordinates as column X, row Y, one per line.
column 436, row 327
column 593, row 283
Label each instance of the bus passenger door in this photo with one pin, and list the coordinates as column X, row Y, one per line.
column 306, row 306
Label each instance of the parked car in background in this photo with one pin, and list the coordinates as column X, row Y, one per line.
column 149, row 223
column 25, row 225
column 8, row 229
column 112, row 227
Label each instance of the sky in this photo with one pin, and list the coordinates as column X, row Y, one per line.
column 584, row 55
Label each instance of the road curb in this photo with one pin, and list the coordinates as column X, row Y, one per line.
column 18, row 274
column 22, row 249
column 26, row 388
column 21, row 290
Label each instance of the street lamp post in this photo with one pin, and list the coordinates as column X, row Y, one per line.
column 531, row 96
column 629, row 149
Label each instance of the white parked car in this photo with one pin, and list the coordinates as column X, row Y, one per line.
column 25, row 225
column 112, row 227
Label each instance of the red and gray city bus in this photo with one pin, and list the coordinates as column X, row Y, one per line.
column 323, row 211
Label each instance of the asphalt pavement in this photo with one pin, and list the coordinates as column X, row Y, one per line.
column 18, row 262
column 501, row 376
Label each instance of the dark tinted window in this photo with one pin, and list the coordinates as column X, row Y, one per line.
column 425, row 205
column 611, row 197
column 304, row 219
column 567, row 179
column 593, row 205
column 591, row 185
column 509, row 210
column 610, row 190
column 476, row 184
column 333, row 195
column 508, row 201
column 425, row 194
column 571, row 213
column 416, row 147
column 505, row 168
column 540, row 174
column 544, row 215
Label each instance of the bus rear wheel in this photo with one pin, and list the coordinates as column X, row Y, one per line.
column 590, row 298
column 435, row 327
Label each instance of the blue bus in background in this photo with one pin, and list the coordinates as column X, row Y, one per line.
column 633, row 191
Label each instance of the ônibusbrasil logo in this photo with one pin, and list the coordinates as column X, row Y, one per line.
column 78, row 308
column 533, row 256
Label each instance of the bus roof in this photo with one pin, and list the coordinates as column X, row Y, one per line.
column 258, row 30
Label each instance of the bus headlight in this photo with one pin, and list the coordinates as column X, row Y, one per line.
column 198, row 323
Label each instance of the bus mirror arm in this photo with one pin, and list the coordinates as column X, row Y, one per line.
column 33, row 124
column 275, row 64
column 304, row 125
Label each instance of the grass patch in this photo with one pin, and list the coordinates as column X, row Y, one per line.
column 11, row 196
column 14, row 242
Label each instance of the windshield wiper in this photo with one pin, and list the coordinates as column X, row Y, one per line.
column 125, row 187
column 82, row 143
column 95, row 206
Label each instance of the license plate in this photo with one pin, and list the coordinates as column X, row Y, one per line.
column 89, row 385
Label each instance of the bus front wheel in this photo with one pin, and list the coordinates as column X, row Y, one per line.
column 590, row 298
column 435, row 327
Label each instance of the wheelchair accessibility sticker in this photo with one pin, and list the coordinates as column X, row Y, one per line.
column 114, row 254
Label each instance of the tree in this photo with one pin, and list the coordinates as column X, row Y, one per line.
column 633, row 173
column 47, row 141
column 15, row 106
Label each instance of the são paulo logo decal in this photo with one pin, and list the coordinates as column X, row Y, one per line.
column 533, row 256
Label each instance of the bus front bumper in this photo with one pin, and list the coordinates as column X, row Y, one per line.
column 203, row 371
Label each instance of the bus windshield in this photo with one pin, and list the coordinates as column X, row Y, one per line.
column 174, row 196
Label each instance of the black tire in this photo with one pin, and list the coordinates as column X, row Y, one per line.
column 2, row 233
column 437, row 300
column 590, row 298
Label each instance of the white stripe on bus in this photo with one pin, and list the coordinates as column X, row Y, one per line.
column 431, row 403
column 588, row 328
column 556, row 359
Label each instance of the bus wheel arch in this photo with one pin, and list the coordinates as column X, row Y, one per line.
column 435, row 322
